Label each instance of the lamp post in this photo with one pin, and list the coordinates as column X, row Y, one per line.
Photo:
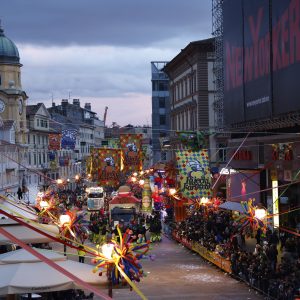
column 107, row 250
column 64, row 220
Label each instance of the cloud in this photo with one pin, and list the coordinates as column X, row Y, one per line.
column 100, row 50
column 107, row 22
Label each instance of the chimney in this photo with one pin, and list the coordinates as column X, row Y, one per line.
column 64, row 102
column 76, row 102
column 53, row 104
column 88, row 106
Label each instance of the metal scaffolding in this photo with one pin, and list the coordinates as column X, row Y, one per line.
column 217, row 28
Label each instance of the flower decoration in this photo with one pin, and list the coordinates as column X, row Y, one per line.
column 124, row 259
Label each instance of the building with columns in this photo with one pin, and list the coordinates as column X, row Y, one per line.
column 192, row 91
column 13, row 129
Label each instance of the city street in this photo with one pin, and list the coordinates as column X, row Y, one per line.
column 178, row 273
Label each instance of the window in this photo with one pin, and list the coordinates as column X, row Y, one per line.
column 162, row 120
column 38, row 122
column 163, row 86
column 29, row 158
column 0, row 80
column 39, row 139
column 162, row 102
column 163, row 156
column 222, row 152
column 34, row 159
column 34, row 139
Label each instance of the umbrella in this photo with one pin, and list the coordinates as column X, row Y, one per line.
column 23, row 256
column 28, row 235
column 33, row 276
column 18, row 209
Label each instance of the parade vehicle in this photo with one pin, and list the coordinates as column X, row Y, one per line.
column 122, row 215
column 95, row 198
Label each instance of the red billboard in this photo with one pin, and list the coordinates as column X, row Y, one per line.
column 261, row 58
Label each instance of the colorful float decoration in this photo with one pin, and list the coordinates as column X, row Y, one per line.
column 122, row 260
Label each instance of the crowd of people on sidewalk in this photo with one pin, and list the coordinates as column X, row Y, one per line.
column 273, row 267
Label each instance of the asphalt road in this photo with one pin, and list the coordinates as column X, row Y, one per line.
column 178, row 273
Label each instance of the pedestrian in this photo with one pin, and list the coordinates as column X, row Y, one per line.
column 81, row 254
column 20, row 193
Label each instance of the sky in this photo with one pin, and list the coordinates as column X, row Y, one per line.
column 100, row 50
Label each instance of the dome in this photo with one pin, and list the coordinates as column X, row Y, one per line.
column 8, row 51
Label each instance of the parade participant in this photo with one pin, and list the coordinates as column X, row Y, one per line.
column 81, row 254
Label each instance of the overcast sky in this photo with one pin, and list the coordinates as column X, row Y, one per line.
column 100, row 50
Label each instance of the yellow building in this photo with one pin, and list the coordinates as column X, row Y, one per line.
column 12, row 97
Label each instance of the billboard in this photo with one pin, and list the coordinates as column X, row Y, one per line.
column 261, row 58
column 286, row 55
column 233, row 61
column 194, row 173
column 244, row 185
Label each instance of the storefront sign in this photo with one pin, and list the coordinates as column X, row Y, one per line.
column 243, row 155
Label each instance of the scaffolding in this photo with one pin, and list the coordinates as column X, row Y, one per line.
column 217, row 31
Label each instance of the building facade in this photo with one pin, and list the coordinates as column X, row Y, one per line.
column 13, row 129
column 191, row 77
column 160, row 112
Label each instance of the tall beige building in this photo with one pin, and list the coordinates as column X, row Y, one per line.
column 12, row 97
column 13, row 131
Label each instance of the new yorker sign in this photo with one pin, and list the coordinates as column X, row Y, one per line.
column 261, row 58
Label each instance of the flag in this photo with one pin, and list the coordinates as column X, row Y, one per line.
column 109, row 164
column 131, row 152
column 194, row 173
column 54, row 141
column 68, row 140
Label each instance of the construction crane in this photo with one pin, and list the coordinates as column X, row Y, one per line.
column 105, row 114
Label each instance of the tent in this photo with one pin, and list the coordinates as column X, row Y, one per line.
column 28, row 235
column 17, row 209
column 24, row 273
column 230, row 205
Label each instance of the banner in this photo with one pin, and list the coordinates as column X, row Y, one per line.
column 131, row 152
column 68, row 140
column 52, row 155
column 109, row 163
column 194, row 173
column 54, row 141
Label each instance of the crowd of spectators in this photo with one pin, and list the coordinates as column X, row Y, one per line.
column 274, row 265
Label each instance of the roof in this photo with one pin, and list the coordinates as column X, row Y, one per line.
column 32, row 109
column 230, row 205
column 8, row 50
column 124, row 199
column 206, row 45
column 7, row 124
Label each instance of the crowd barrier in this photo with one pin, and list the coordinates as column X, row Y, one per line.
column 211, row 256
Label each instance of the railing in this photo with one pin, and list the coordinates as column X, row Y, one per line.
column 211, row 256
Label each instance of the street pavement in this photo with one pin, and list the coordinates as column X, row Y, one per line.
column 178, row 273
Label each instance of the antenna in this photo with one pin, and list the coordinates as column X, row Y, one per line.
column 52, row 98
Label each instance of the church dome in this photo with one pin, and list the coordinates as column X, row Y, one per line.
column 9, row 53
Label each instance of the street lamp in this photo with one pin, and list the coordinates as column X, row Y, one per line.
column 44, row 204
column 107, row 250
column 260, row 213
column 64, row 220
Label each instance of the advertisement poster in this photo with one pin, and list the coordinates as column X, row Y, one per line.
column 131, row 152
column 54, row 141
column 109, row 163
column 194, row 173
column 68, row 140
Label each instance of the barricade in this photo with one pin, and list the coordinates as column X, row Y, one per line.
column 211, row 256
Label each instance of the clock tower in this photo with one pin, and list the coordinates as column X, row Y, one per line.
column 12, row 97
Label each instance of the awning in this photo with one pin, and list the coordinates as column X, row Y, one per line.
column 230, row 205
column 28, row 235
